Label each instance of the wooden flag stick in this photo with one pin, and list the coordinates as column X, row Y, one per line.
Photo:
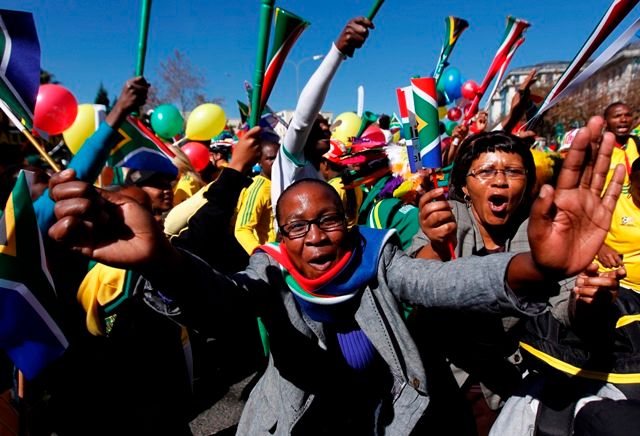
column 29, row 136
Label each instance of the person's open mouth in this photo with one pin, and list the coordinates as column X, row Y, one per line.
column 498, row 203
column 321, row 263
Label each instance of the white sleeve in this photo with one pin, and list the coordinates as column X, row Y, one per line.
column 290, row 164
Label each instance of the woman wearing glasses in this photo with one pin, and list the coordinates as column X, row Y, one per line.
column 341, row 358
column 489, row 197
column 490, row 193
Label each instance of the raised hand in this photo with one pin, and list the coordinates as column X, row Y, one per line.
column 353, row 35
column 106, row 226
column 568, row 225
column 438, row 224
column 247, row 151
column 133, row 96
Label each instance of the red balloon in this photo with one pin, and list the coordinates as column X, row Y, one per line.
column 198, row 154
column 56, row 109
column 454, row 113
column 469, row 89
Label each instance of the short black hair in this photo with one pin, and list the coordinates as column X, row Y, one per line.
column 384, row 121
column 612, row 106
column 635, row 166
column 309, row 181
column 489, row 142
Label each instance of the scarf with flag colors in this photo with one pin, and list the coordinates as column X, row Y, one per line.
column 28, row 333
column 20, row 64
column 141, row 149
column 324, row 298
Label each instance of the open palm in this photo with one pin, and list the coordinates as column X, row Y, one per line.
column 569, row 224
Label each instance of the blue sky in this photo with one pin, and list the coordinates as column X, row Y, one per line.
column 85, row 42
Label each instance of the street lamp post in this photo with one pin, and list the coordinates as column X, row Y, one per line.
column 297, row 67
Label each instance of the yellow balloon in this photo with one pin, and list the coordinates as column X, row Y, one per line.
column 442, row 112
column 345, row 127
column 85, row 124
column 205, row 122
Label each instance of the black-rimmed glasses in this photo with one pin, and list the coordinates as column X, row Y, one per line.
column 299, row 228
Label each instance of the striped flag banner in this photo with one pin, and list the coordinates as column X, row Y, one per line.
column 561, row 90
column 141, row 149
column 408, row 120
column 503, row 70
column 288, row 28
column 513, row 33
column 453, row 29
column 20, row 64
column 425, row 101
column 28, row 333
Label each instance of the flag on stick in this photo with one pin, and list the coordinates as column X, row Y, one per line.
column 425, row 101
column 287, row 30
column 513, row 33
column 20, row 73
column 611, row 19
column 244, row 111
column 453, row 29
column 28, row 333
column 141, row 149
column 408, row 120
column 20, row 64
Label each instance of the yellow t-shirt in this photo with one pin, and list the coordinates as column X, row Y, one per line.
column 337, row 184
column 185, row 188
column 254, row 221
column 624, row 237
column 624, row 156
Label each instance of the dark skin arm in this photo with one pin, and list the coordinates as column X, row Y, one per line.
column 566, row 228
column 568, row 224
column 133, row 95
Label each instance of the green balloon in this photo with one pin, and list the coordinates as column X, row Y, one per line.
column 167, row 121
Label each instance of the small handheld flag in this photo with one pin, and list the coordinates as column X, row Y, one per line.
column 425, row 101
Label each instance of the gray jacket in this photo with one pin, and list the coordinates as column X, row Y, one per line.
column 280, row 402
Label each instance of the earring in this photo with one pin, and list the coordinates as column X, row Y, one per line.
column 466, row 198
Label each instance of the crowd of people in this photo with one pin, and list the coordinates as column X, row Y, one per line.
column 361, row 300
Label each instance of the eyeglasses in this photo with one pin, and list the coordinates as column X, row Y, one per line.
column 299, row 228
column 485, row 174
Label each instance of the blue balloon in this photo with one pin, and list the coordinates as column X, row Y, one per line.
column 452, row 83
